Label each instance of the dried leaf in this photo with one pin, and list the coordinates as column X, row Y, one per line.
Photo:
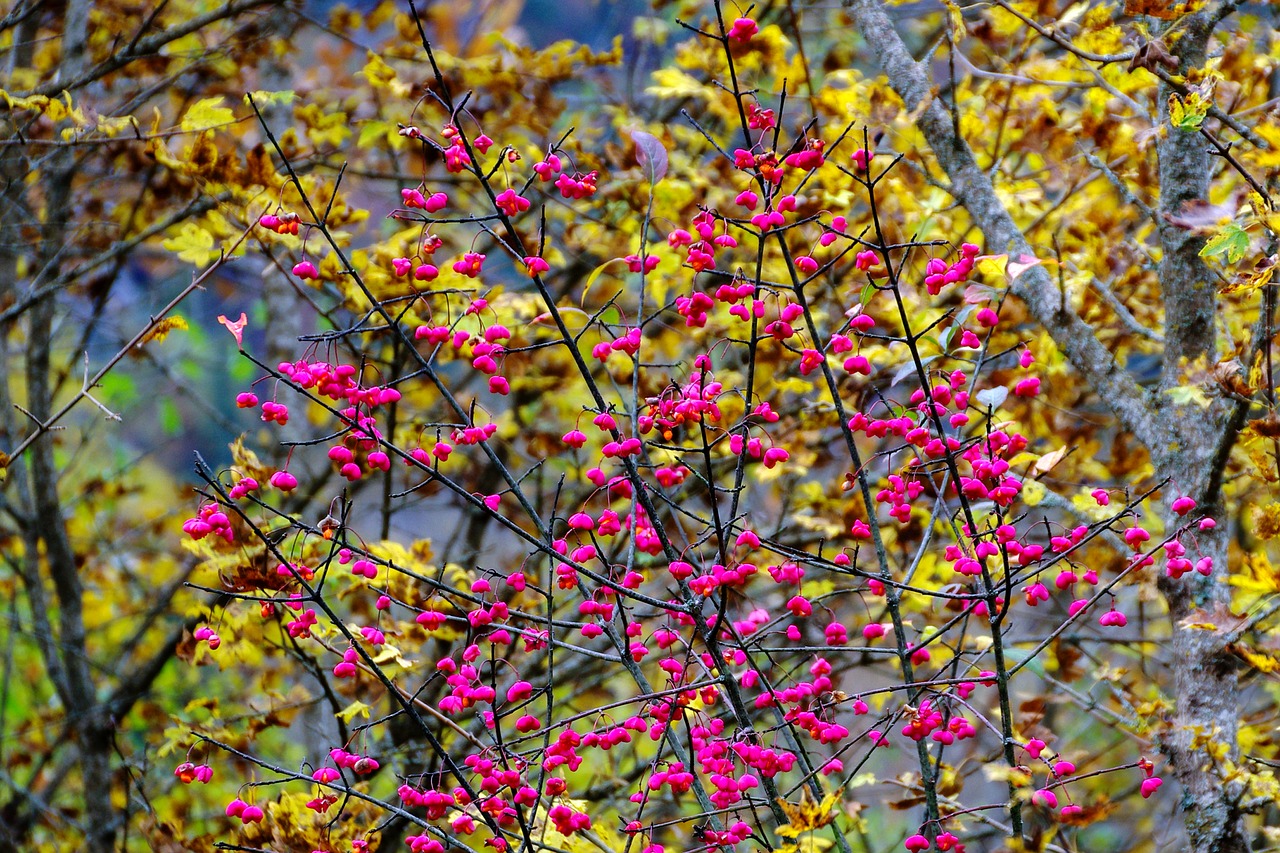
column 162, row 328
column 1093, row 812
column 1248, row 281
column 1261, row 660
column 1162, row 9
column 1268, row 427
column 1220, row 619
column 1149, row 54
column 1031, row 711
column 1068, row 656
column 1201, row 218
column 1229, row 376
column 808, row 814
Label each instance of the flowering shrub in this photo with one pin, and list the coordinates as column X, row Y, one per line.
column 750, row 533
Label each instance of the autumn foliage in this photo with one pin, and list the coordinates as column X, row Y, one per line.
column 744, row 436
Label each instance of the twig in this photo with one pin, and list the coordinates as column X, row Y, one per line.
column 90, row 383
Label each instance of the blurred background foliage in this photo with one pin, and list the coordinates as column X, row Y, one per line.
column 130, row 156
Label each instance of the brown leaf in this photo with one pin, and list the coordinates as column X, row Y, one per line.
column 185, row 651
column 1152, row 53
column 1247, row 281
column 1229, row 376
column 1092, row 812
column 1068, row 656
column 1031, row 711
column 1268, row 427
column 1162, row 9
column 1220, row 619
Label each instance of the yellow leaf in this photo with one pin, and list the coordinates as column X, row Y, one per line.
column 1256, row 575
column 1248, row 281
column 591, row 279
column 390, row 653
column 1266, row 521
column 1033, row 493
column 323, row 127
column 206, row 114
column 39, row 103
column 992, row 266
column 1189, row 113
column 1185, row 395
column 115, row 126
column 812, row 844
column 382, row 76
column 1263, row 661
column 862, row 780
column 356, row 707
column 192, row 243
column 264, row 98
column 55, row 109
column 377, row 132
column 162, row 328
column 955, row 20
column 674, row 83
column 807, row 815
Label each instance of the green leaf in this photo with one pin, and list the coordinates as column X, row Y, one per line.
column 1187, row 114
column 1023, row 656
column 1232, row 242
column 376, row 131
column 868, row 291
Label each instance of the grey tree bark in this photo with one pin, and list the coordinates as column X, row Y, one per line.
column 1188, row 445
column 38, row 232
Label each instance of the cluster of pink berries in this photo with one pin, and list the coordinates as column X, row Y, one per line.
column 188, row 773
column 283, row 223
column 210, row 519
column 681, row 641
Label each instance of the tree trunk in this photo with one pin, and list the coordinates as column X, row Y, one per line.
column 1188, row 444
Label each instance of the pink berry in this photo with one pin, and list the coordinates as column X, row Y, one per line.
column 305, row 270
column 916, row 843
column 284, row 481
